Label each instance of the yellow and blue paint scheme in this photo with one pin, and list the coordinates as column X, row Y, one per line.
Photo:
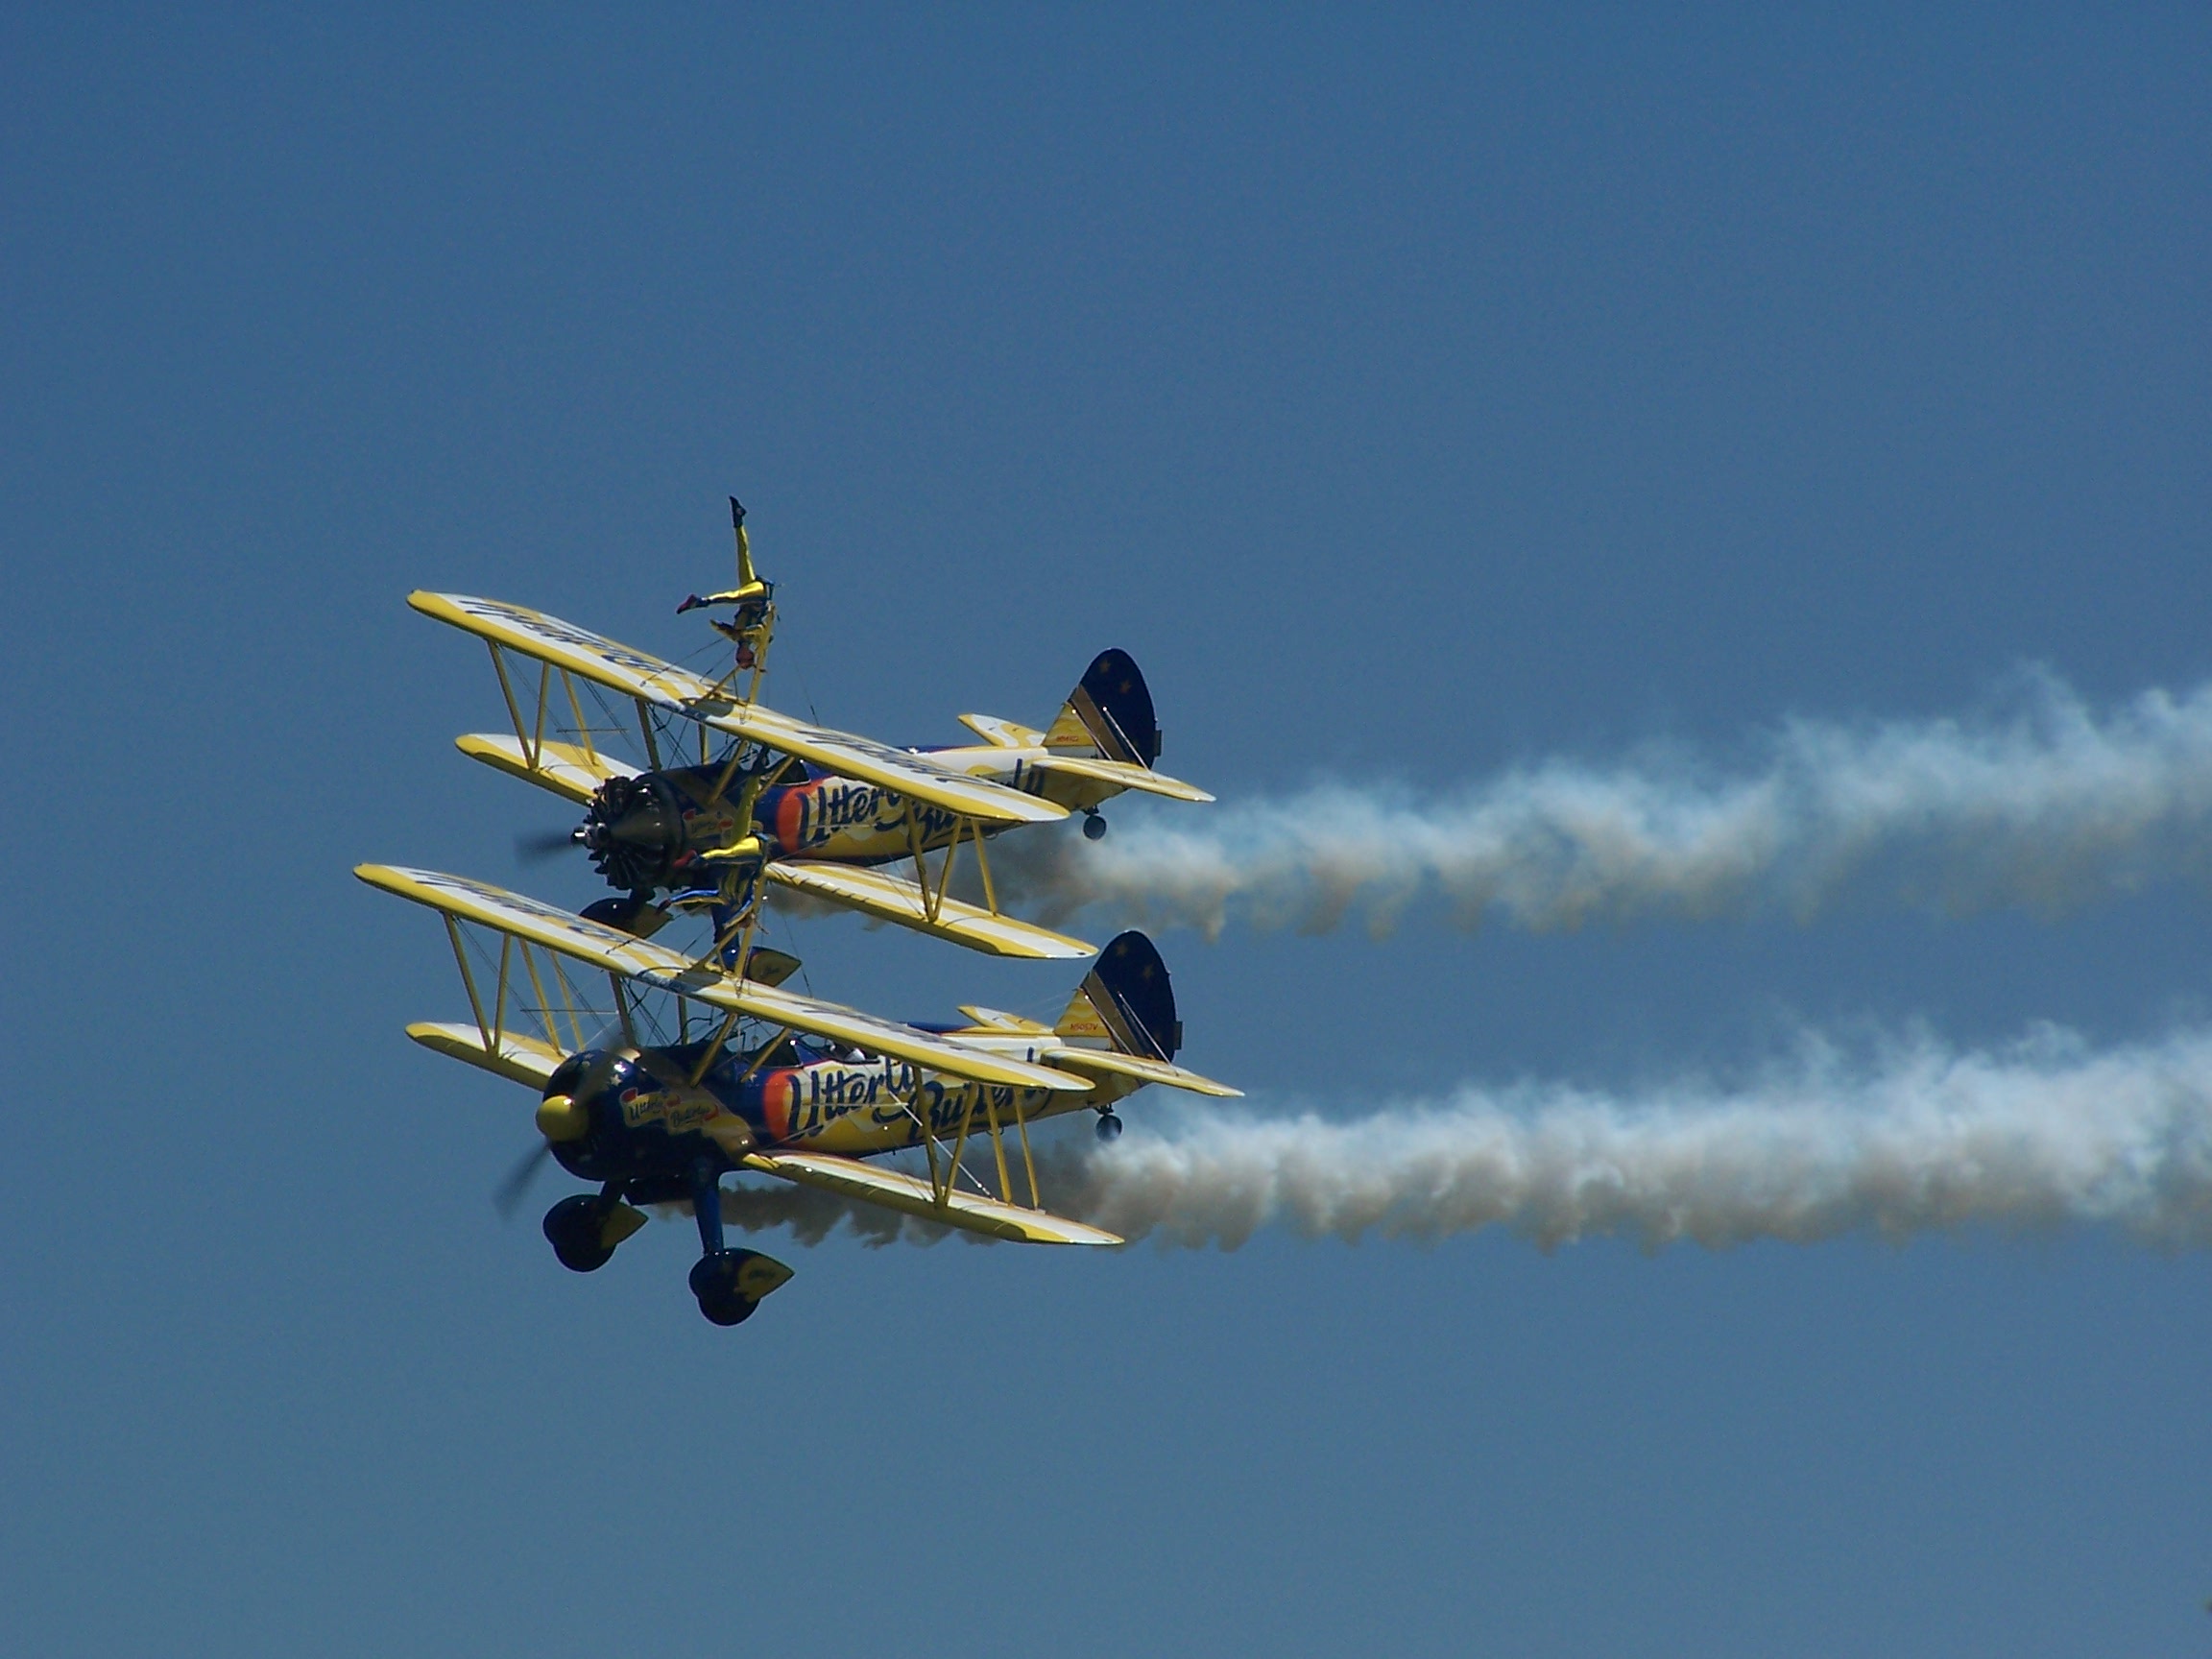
column 839, row 806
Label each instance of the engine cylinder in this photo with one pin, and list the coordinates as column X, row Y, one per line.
column 633, row 831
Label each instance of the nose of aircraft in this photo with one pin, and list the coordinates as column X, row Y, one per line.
column 561, row 1117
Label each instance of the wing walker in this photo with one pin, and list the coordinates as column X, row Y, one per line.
column 660, row 1071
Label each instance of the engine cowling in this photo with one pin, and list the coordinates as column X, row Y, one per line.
column 634, row 832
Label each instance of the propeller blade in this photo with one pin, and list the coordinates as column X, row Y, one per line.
column 508, row 1193
column 535, row 846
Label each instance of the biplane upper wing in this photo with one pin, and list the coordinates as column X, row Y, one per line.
column 617, row 953
column 1121, row 773
column 637, row 674
column 1142, row 1067
column 897, row 770
column 890, row 897
column 970, row 1211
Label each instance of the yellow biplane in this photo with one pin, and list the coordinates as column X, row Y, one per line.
column 706, row 1073
column 733, row 795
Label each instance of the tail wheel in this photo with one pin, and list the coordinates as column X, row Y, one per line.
column 1109, row 1126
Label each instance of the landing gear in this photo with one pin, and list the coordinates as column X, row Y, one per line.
column 1093, row 824
column 1109, row 1125
column 714, row 1281
column 729, row 1284
column 585, row 1229
column 635, row 914
column 574, row 1228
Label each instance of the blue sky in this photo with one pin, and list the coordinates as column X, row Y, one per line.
column 1415, row 396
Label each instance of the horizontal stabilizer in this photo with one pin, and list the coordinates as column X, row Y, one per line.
column 1003, row 733
column 970, row 1211
column 893, row 898
column 517, row 1058
column 1140, row 1067
column 563, row 768
column 1123, row 775
column 999, row 1020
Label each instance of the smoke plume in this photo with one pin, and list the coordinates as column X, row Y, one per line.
column 1916, row 1137
column 2051, row 806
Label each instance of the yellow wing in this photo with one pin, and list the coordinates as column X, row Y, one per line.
column 892, row 898
column 510, row 1055
column 897, row 770
column 634, row 673
column 562, row 768
column 665, row 970
column 1142, row 1067
column 1122, row 774
column 970, row 1211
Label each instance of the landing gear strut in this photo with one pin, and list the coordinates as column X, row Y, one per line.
column 1093, row 824
column 727, row 1283
column 715, row 1275
column 1109, row 1125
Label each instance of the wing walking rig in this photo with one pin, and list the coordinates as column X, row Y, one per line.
column 659, row 1071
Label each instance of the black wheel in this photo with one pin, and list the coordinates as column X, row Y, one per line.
column 714, row 1282
column 1109, row 1126
column 572, row 1227
column 1093, row 827
column 728, row 1310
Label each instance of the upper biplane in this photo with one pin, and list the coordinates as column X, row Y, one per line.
column 733, row 793
column 706, row 1073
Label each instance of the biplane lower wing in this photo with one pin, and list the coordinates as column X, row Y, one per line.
column 970, row 1211
column 604, row 662
column 562, row 768
column 1123, row 775
column 510, row 1055
column 462, row 899
column 893, row 898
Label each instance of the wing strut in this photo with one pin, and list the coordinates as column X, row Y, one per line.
column 933, row 894
column 1029, row 1164
column 706, row 1058
column 468, row 979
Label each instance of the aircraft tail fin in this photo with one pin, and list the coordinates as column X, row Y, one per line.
column 1126, row 1001
column 1109, row 714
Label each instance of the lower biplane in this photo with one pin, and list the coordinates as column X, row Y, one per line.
column 730, row 790
column 741, row 1075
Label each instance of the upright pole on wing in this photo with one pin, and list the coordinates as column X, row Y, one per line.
column 753, row 626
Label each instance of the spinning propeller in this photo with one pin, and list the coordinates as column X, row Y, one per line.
column 535, row 846
column 511, row 1192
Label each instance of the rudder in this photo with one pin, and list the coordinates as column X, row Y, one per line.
column 1127, row 1000
column 1109, row 711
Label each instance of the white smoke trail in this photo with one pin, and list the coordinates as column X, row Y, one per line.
column 2050, row 807
column 2044, row 1134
